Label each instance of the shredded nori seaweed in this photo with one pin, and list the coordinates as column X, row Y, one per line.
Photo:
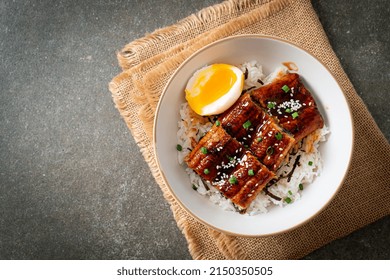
column 296, row 162
column 248, row 89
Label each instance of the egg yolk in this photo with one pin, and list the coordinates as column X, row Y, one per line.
column 210, row 84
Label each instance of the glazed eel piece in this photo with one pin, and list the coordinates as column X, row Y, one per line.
column 214, row 151
column 257, row 131
column 221, row 160
column 245, row 182
column 289, row 102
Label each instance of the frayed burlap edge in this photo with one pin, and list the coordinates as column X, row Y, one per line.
column 141, row 49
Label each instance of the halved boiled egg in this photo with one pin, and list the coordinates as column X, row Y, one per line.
column 214, row 88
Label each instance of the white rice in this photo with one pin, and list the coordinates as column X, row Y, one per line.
column 192, row 127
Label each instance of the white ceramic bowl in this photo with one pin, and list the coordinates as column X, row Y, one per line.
column 336, row 151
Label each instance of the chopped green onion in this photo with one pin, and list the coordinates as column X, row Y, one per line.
column 287, row 200
column 271, row 105
column 270, row 150
column 217, row 123
column 233, row 180
column 295, row 115
column 179, row 147
column 310, row 163
column 194, row 187
column 285, row 88
column 206, row 171
column 247, row 124
column 259, row 139
column 251, row 172
column 288, row 110
column 290, row 192
column 204, row 150
column 278, row 136
column 301, row 187
column 230, row 158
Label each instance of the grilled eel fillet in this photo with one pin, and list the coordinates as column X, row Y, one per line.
column 245, row 182
column 295, row 110
column 223, row 161
column 252, row 127
column 215, row 149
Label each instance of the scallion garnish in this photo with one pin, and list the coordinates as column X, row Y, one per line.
column 179, row 147
column 271, row 105
column 300, row 187
column 251, row 172
column 288, row 110
column 310, row 163
column 217, row 123
column 278, row 136
column 287, row 200
column 233, row 180
column 285, row 88
column 290, row 192
column 204, row 150
column 206, row 171
column 247, row 124
column 194, row 187
column 295, row 115
column 259, row 139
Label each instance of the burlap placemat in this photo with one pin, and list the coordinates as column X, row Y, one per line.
column 149, row 62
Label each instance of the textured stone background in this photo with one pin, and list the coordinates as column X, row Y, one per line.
column 73, row 184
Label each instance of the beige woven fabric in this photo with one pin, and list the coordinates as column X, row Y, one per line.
column 149, row 62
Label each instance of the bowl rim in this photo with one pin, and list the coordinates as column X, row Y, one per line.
column 252, row 36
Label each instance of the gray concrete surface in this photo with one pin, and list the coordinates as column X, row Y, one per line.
column 73, row 184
